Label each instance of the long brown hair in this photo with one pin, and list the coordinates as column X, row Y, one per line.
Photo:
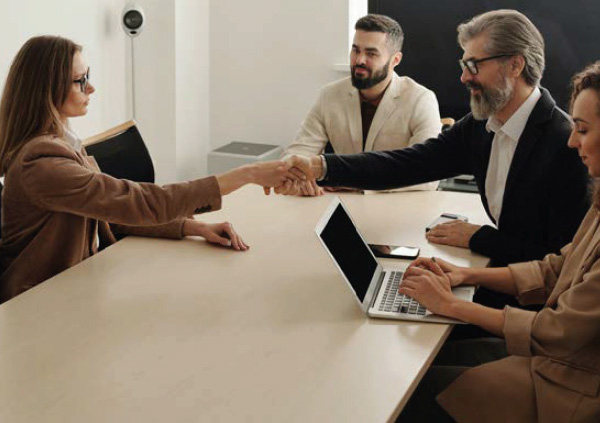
column 37, row 85
column 589, row 78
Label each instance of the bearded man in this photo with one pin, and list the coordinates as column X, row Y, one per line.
column 514, row 142
column 373, row 109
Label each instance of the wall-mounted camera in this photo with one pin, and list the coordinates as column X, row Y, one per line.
column 132, row 20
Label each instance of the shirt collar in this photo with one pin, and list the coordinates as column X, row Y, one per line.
column 515, row 125
column 71, row 138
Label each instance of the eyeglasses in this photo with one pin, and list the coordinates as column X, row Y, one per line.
column 83, row 81
column 471, row 64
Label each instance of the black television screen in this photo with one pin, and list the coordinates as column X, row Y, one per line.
column 571, row 31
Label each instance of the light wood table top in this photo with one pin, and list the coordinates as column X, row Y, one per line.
column 155, row 330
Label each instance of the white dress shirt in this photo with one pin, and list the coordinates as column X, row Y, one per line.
column 75, row 142
column 504, row 144
column 72, row 138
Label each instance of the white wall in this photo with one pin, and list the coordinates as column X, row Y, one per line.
column 155, row 85
column 93, row 24
column 192, row 87
column 210, row 72
column 268, row 60
column 172, row 80
column 207, row 72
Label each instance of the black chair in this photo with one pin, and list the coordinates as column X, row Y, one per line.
column 447, row 123
column 121, row 152
column 1, row 187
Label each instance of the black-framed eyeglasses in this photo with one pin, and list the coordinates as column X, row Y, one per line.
column 83, row 81
column 471, row 64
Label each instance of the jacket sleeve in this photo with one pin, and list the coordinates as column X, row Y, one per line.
column 562, row 330
column 312, row 136
column 173, row 230
column 425, row 121
column 449, row 154
column 535, row 280
column 563, row 213
column 54, row 179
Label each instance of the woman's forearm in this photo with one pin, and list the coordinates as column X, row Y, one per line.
column 496, row 279
column 235, row 179
column 488, row 318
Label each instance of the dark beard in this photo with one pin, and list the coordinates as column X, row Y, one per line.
column 375, row 78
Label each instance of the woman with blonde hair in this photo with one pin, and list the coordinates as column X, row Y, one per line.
column 57, row 207
column 547, row 368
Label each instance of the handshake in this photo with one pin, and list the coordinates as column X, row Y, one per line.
column 293, row 175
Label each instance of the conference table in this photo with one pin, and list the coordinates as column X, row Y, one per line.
column 156, row 330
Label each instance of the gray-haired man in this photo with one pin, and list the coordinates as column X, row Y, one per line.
column 514, row 142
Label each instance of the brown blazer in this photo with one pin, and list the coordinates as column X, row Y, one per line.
column 55, row 200
column 553, row 375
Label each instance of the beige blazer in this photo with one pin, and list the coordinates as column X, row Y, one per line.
column 407, row 114
column 553, row 375
column 56, row 206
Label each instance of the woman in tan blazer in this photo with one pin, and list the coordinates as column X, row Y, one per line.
column 57, row 207
column 551, row 369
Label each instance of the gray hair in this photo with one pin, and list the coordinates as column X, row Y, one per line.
column 381, row 23
column 508, row 32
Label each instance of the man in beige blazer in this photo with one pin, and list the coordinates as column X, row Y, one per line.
column 374, row 109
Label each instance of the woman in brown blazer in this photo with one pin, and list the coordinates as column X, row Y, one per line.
column 550, row 372
column 57, row 207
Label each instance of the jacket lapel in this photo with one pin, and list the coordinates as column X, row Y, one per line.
column 531, row 135
column 352, row 112
column 481, row 172
column 387, row 105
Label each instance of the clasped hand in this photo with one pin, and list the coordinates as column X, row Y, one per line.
column 307, row 169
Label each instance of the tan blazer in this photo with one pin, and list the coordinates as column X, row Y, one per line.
column 553, row 375
column 407, row 114
column 56, row 205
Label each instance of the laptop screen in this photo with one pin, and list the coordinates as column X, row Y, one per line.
column 349, row 250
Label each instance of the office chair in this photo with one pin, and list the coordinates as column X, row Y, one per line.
column 1, row 187
column 447, row 123
column 121, row 152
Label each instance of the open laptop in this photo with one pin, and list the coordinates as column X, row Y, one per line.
column 375, row 287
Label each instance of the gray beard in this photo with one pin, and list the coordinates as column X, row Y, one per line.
column 491, row 100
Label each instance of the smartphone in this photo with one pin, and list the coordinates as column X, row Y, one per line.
column 446, row 217
column 394, row 251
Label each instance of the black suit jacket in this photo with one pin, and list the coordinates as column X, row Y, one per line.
column 546, row 189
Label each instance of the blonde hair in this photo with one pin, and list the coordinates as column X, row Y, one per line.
column 38, row 83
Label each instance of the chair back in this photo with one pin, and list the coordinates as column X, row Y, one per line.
column 1, row 187
column 121, row 152
column 447, row 123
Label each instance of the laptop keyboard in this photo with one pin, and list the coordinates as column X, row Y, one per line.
column 395, row 302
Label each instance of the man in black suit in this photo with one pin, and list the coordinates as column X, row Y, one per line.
column 514, row 141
